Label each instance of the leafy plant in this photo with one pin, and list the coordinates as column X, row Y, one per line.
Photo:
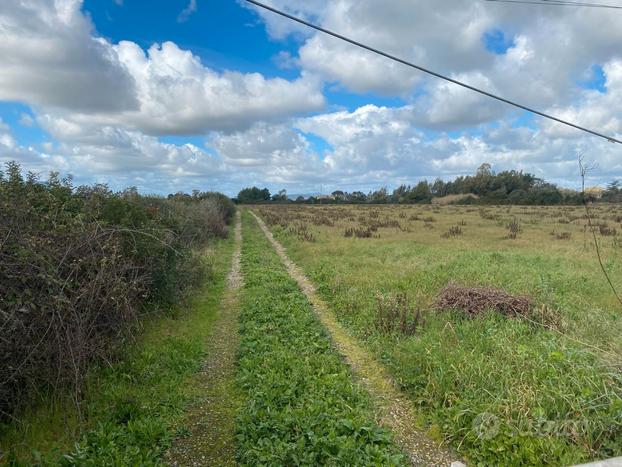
column 302, row 406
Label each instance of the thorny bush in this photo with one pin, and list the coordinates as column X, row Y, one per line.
column 78, row 266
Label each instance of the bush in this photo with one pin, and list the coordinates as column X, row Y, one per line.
column 77, row 268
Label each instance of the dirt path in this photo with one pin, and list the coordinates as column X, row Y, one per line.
column 212, row 420
column 393, row 409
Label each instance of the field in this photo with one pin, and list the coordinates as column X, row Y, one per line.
column 419, row 334
column 542, row 387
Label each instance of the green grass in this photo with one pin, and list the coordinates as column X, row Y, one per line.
column 302, row 405
column 551, row 399
column 132, row 409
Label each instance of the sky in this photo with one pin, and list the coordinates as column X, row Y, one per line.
column 176, row 95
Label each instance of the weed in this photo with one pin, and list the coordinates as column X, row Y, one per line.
column 453, row 231
column 607, row 231
column 514, row 228
column 395, row 314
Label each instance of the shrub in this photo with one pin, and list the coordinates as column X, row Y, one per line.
column 77, row 268
column 453, row 231
column 395, row 314
column 514, row 229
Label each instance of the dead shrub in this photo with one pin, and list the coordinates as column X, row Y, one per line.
column 607, row 231
column 474, row 301
column 394, row 314
column 547, row 316
column 514, row 229
column 562, row 235
column 359, row 232
column 454, row 231
column 302, row 232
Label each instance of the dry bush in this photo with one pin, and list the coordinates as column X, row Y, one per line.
column 487, row 215
column 453, row 231
column 359, row 232
column 302, row 232
column 67, row 300
column 562, row 235
column 607, row 231
column 514, row 229
column 395, row 314
column 474, row 301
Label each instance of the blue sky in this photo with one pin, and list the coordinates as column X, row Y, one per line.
column 175, row 95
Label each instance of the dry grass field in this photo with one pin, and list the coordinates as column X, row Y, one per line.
column 536, row 382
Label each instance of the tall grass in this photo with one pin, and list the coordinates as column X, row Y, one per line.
column 502, row 390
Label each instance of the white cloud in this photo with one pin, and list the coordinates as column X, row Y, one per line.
column 178, row 95
column 550, row 50
column 187, row 12
column 52, row 60
column 26, row 120
column 105, row 104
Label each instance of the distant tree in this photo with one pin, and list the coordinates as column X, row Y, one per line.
column 613, row 193
column 280, row 197
column 439, row 188
column 421, row 192
column 339, row 195
column 484, row 170
column 379, row 196
column 253, row 195
column 357, row 197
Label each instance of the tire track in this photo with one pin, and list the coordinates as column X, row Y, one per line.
column 212, row 422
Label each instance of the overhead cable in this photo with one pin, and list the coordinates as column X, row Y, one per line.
column 430, row 72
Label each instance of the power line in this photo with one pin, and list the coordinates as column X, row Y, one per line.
column 430, row 72
column 559, row 3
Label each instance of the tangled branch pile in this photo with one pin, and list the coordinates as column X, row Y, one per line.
column 77, row 268
column 476, row 300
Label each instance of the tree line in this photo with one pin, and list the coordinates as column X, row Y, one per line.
column 483, row 187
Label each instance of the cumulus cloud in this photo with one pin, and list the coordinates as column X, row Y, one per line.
column 52, row 60
column 549, row 50
column 105, row 105
column 178, row 95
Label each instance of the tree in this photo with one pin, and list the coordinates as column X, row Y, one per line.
column 484, row 170
column 253, row 195
column 280, row 197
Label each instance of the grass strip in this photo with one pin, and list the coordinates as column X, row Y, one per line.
column 302, row 406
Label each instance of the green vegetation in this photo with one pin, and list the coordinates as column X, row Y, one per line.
column 302, row 406
column 79, row 266
column 131, row 409
column 253, row 195
column 502, row 390
column 484, row 187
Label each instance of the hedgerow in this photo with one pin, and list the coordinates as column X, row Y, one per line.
column 78, row 266
column 302, row 406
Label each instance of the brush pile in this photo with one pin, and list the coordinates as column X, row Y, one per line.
column 474, row 301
